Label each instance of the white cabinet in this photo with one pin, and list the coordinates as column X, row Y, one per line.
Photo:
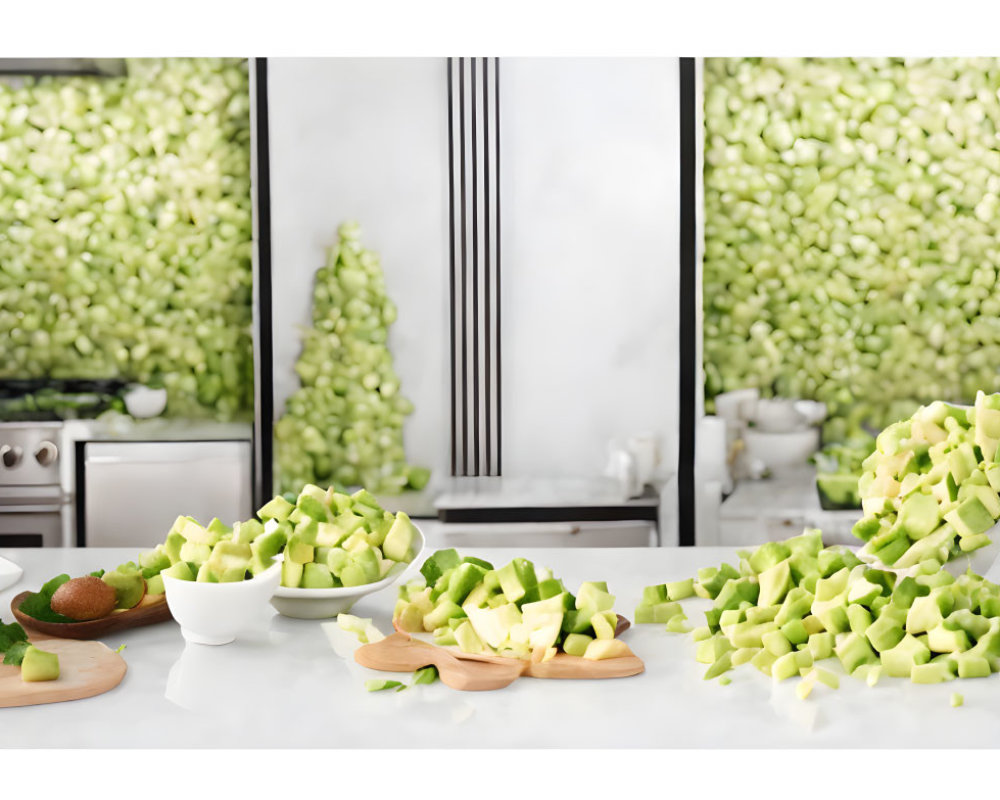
column 130, row 493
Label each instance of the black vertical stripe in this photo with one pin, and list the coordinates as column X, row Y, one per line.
column 451, row 253
column 473, row 196
column 263, row 437
column 688, row 311
column 486, row 277
column 475, row 276
column 465, row 355
column 499, row 296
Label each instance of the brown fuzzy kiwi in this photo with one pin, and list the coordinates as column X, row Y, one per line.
column 84, row 598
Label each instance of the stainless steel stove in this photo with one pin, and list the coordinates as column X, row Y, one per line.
column 31, row 494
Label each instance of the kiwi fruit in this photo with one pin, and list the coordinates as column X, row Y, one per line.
column 84, row 598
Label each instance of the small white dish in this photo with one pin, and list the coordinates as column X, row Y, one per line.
column 327, row 603
column 213, row 613
column 10, row 573
column 142, row 402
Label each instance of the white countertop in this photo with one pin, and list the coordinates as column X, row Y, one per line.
column 285, row 686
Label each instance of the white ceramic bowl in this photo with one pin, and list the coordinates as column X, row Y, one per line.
column 214, row 613
column 781, row 451
column 327, row 603
column 142, row 402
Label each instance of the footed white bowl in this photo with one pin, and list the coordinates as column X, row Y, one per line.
column 327, row 603
column 214, row 613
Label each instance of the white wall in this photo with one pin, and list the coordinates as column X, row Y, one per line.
column 366, row 139
column 590, row 189
column 590, row 186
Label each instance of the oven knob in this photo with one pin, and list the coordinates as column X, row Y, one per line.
column 10, row 456
column 46, row 454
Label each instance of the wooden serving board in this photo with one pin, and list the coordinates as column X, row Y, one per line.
column 85, row 669
column 153, row 608
column 475, row 673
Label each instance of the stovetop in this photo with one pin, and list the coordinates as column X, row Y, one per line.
column 40, row 399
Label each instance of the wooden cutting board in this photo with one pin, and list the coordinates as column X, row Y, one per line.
column 85, row 669
column 153, row 608
column 475, row 673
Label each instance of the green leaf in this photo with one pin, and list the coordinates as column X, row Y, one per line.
column 37, row 606
column 15, row 653
column 99, row 573
column 49, row 588
column 11, row 634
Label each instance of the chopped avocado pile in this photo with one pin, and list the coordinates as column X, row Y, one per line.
column 217, row 553
column 930, row 489
column 35, row 664
column 345, row 422
column 791, row 604
column 334, row 539
column 518, row 610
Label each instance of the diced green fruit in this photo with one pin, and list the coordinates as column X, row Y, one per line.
column 576, row 643
column 603, row 623
column 702, row 632
column 39, row 665
column 821, row 645
column 291, row 573
column 247, row 532
column 776, row 643
column 600, row 649
column 401, row 540
column 900, row 660
column 378, row 685
column 441, row 613
column 298, row 550
column 130, row 587
column 763, row 661
column 278, row 508
column 196, row 552
column 742, row 655
column 206, row 574
column 859, row 618
column 316, row 576
column 774, row 584
column 853, row 651
column 679, row 590
column 468, row 640
column 956, row 700
column 179, row 570
column 651, row 595
column 154, row 585
column 936, row 672
column 723, row 664
column 795, row 632
column 970, row 518
column 678, row 624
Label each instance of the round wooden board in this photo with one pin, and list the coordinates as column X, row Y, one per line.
column 152, row 609
column 85, row 669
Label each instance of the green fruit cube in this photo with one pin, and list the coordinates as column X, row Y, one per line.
column 195, row 552
column 775, row 582
column 821, row 645
column 935, row 672
column 899, row 661
column 970, row 518
column 299, row 551
column 247, row 532
column 291, row 573
column 316, row 576
column 401, row 540
column 278, row 508
column 180, row 570
column 39, row 665
column 853, row 651
column 679, row 590
column 442, row 613
column 576, row 644
column 467, row 638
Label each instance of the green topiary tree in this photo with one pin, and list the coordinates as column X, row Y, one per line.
column 345, row 424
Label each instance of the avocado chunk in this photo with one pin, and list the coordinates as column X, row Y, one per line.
column 401, row 539
column 130, row 587
column 39, row 665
